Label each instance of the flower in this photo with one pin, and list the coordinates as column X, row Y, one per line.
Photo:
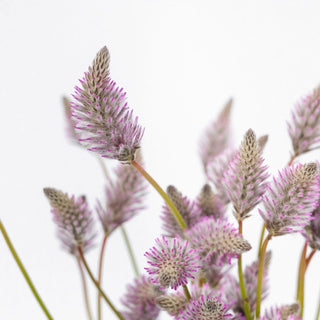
column 304, row 129
column 217, row 136
column 285, row 312
column 73, row 218
column 312, row 230
column 245, row 176
column 291, row 199
column 172, row 303
column 215, row 238
column 172, row 262
column 188, row 210
column 140, row 300
column 103, row 119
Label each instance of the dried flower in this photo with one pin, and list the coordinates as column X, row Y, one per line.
column 217, row 237
column 244, row 179
column 312, row 230
column 73, row 218
column 104, row 121
column 262, row 141
column 291, row 199
column 304, row 130
column 140, row 300
column 187, row 209
column 217, row 136
column 124, row 198
column 286, row 312
column 172, row 263
column 172, row 303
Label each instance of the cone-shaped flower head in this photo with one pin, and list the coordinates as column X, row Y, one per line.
column 244, row 180
column 285, row 312
column 217, row 136
column 304, row 129
column 124, row 198
column 210, row 203
column 215, row 238
column 262, row 141
column 188, row 210
column 172, row 262
column 104, row 121
column 205, row 307
column 312, row 230
column 140, row 300
column 291, row 199
column 73, row 218
column 172, row 303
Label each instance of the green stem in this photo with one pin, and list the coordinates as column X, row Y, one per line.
column 165, row 197
column 241, row 282
column 103, row 245
column 103, row 167
column 133, row 260
column 23, row 270
column 85, row 290
column 118, row 314
column 260, row 273
column 318, row 311
column 186, row 292
column 261, row 239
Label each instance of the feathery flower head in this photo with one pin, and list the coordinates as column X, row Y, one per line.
column 291, row 199
column 217, row 136
column 172, row 262
column 102, row 116
column 188, row 210
column 124, row 198
column 210, row 204
column 312, row 230
column 205, row 307
column 304, row 130
column 215, row 238
column 172, row 303
column 140, row 300
column 245, row 176
column 262, row 141
column 285, row 312
column 73, row 218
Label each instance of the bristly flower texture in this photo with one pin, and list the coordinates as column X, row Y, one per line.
column 312, row 230
column 188, row 210
column 291, row 199
column 140, row 300
column 304, row 130
column 285, row 312
column 172, row 262
column 217, row 136
column 215, row 238
column 73, row 218
column 124, row 198
column 245, row 176
column 104, row 121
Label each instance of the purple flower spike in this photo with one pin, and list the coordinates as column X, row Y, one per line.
column 73, row 218
column 205, row 307
column 245, row 176
column 312, row 231
column 304, row 129
column 217, row 238
column 291, row 199
column 140, row 300
column 172, row 262
column 105, row 122
column 285, row 312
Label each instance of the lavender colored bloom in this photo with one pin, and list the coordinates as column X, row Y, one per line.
column 104, row 121
column 286, row 312
column 217, row 136
column 124, row 198
column 205, row 307
column 245, row 176
column 140, row 300
column 210, row 203
column 188, row 210
column 304, row 129
column 312, row 230
column 172, row 262
column 73, row 218
column 291, row 199
column 217, row 237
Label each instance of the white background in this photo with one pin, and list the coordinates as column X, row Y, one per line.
column 179, row 62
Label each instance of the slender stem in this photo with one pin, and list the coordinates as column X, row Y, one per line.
column 260, row 273
column 291, row 159
column 118, row 314
column 103, row 245
column 85, row 290
column 318, row 312
column 165, row 197
column 103, row 167
column 129, row 247
column 186, row 292
column 310, row 257
column 241, row 282
column 302, row 266
column 24, row 271
column 261, row 239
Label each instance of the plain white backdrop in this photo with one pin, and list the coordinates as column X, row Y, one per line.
column 179, row 62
